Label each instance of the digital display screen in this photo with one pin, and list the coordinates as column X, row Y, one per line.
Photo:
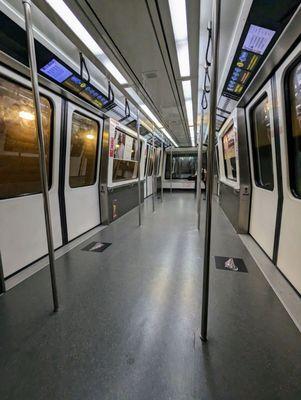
column 56, row 71
column 258, row 39
column 247, row 60
column 74, row 83
column 90, row 93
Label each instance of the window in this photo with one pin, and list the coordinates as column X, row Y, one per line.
column 184, row 166
column 150, row 161
column 83, row 151
column 229, row 154
column 125, row 163
column 294, row 130
column 146, row 158
column 157, row 160
column 261, row 145
column 19, row 154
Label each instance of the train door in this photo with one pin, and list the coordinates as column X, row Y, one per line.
column 84, row 131
column 288, row 83
column 263, row 170
column 23, row 234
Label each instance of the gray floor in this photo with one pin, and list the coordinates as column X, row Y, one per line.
column 127, row 328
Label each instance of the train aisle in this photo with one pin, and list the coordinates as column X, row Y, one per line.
column 127, row 327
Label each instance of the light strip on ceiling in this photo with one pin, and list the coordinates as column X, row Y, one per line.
column 191, row 129
column 169, row 137
column 76, row 26
column 188, row 101
column 151, row 116
column 179, row 25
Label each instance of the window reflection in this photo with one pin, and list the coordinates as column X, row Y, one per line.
column 83, row 151
column 19, row 155
column 262, row 148
column 294, row 134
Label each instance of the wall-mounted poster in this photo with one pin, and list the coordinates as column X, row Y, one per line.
column 119, row 139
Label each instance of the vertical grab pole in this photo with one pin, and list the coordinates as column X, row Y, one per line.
column 162, row 172
column 139, row 167
column 41, row 144
column 200, row 166
column 170, row 177
column 211, row 139
column 153, row 174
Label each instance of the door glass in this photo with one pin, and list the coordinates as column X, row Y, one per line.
column 19, row 154
column 294, row 133
column 83, row 151
column 229, row 154
column 184, row 166
column 261, row 145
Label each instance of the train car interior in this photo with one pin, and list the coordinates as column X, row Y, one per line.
column 150, row 199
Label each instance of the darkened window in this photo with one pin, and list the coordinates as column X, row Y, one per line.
column 150, row 161
column 229, row 154
column 294, row 130
column 19, row 154
column 146, row 159
column 261, row 145
column 184, row 166
column 125, row 163
column 157, row 160
column 83, row 151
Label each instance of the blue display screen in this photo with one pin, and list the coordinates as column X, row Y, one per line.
column 56, row 71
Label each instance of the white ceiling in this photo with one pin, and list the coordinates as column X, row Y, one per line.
column 137, row 36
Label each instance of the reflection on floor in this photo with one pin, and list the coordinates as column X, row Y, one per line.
column 129, row 316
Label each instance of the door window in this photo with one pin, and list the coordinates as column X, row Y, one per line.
column 184, row 166
column 83, row 151
column 294, row 130
column 262, row 145
column 19, row 153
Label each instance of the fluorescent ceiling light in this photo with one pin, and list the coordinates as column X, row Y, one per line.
column 179, row 25
column 169, row 137
column 151, row 116
column 76, row 26
column 189, row 111
column 187, row 89
column 188, row 101
column 134, row 96
column 191, row 129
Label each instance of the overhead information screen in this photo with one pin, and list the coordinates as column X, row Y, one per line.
column 56, row 71
column 258, row 39
column 67, row 78
column 266, row 21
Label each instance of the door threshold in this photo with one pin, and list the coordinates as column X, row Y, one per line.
column 43, row 262
column 282, row 288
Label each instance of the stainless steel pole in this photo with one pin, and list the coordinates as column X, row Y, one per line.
column 41, row 144
column 200, row 166
column 162, row 172
column 139, row 167
column 153, row 174
column 211, row 139
column 171, row 165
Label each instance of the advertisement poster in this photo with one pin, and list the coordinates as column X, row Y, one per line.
column 229, row 144
column 120, row 138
